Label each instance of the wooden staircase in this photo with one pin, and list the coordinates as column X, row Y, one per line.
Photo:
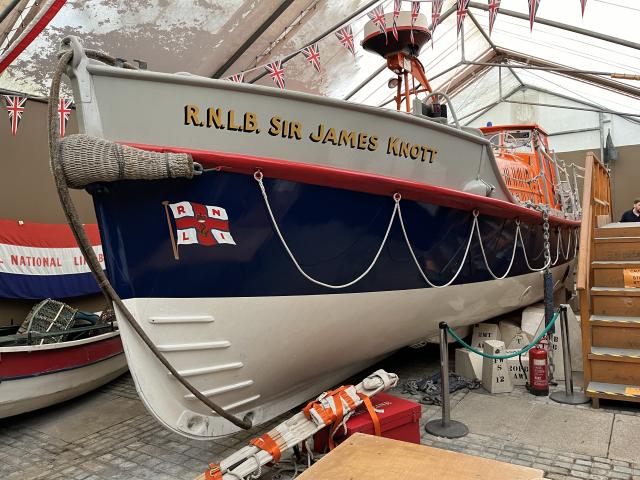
column 609, row 294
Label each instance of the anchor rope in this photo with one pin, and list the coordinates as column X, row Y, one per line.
column 73, row 219
column 522, row 351
column 397, row 211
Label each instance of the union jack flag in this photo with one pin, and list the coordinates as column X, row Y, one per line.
column 415, row 11
column 15, row 107
column 312, row 54
column 494, row 7
column 436, row 11
column 533, row 9
column 377, row 17
column 397, row 5
column 584, row 4
column 237, row 78
column 202, row 224
column 64, row 110
column 277, row 73
column 345, row 35
column 462, row 12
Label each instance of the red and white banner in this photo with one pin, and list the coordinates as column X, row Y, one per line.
column 202, row 224
column 43, row 260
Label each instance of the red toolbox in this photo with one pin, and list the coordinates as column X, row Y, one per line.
column 399, row 420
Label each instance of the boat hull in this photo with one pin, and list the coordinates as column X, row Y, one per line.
column 261, row 356
column 34, row 377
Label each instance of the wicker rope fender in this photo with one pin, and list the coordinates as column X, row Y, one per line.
column 87, row 160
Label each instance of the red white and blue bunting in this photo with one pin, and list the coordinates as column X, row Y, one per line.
column 415, row 11
column 377, row 17
column 64, row 110
column 312, row 55
column 345, row 36
column 277, row 73
column 15, row 108
column 533, row 10
column 583, row 4
column 461, row 13
column 397, row 5
column 43, row 260
column 237, row 78
column 494, row 8
column 436, row 11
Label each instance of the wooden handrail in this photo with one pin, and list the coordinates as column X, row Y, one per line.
column 596, row 200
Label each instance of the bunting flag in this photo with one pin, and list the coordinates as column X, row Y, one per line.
column 15, row 107
column 397, row 5
column 462, row 12
column 237, row 78
column 312, row 54
column 436, row 11
column 377, row 17
column 584, row 4
column 494, row 7
column 276, row 71
column 415, row 11
column 64, row 110
column 533, row 9
column 345, row 35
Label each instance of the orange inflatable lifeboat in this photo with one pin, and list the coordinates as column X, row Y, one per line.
column 526, row 162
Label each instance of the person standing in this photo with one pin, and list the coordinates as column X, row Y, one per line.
column 632, row 215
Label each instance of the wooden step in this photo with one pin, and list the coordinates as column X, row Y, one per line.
column 615, row 365
column 615, row 321
column 613, row 391
column 617, row 248
column 626, row 229
column 616, row 334
column 615, row 301
column 611, row 273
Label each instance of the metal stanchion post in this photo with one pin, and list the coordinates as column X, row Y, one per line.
column 445, row 427
column 568, row 396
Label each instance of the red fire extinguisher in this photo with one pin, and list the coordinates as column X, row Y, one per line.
column 538, row 378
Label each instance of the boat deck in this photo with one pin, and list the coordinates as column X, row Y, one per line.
column 108, row 434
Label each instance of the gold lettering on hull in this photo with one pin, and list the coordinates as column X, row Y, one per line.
column 218, row 118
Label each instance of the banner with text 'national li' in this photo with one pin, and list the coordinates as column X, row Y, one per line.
column 39, row 260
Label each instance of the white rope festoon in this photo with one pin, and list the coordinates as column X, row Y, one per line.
column 397, row 210
column 484, row 256
column 396, row 197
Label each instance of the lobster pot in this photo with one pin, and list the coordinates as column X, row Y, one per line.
column 49, row 316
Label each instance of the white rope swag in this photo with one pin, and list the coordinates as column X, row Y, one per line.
column 397, row 211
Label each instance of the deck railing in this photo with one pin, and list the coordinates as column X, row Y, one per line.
column 596, row 207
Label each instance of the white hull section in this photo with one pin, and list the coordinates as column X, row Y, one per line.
column 31, row 393
column 265, row 355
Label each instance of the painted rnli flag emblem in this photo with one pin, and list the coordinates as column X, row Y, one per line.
column 202, row 224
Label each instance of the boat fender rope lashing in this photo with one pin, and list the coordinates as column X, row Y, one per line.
column 377, row 430
column 84, row 244
column 524, row 350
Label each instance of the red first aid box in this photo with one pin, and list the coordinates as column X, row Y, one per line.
column 399, row 420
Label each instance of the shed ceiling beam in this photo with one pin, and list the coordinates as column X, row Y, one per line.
column 252, row 38
column 8, row 9
column 563, row 26
column 490, row 42
column 379, row 70
column 568, row 71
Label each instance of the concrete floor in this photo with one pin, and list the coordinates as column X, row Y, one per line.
column 108, row 434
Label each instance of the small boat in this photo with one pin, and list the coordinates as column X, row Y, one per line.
column 39, row 368
column 318, row 237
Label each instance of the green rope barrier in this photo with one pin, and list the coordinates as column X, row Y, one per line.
column 510, row 355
